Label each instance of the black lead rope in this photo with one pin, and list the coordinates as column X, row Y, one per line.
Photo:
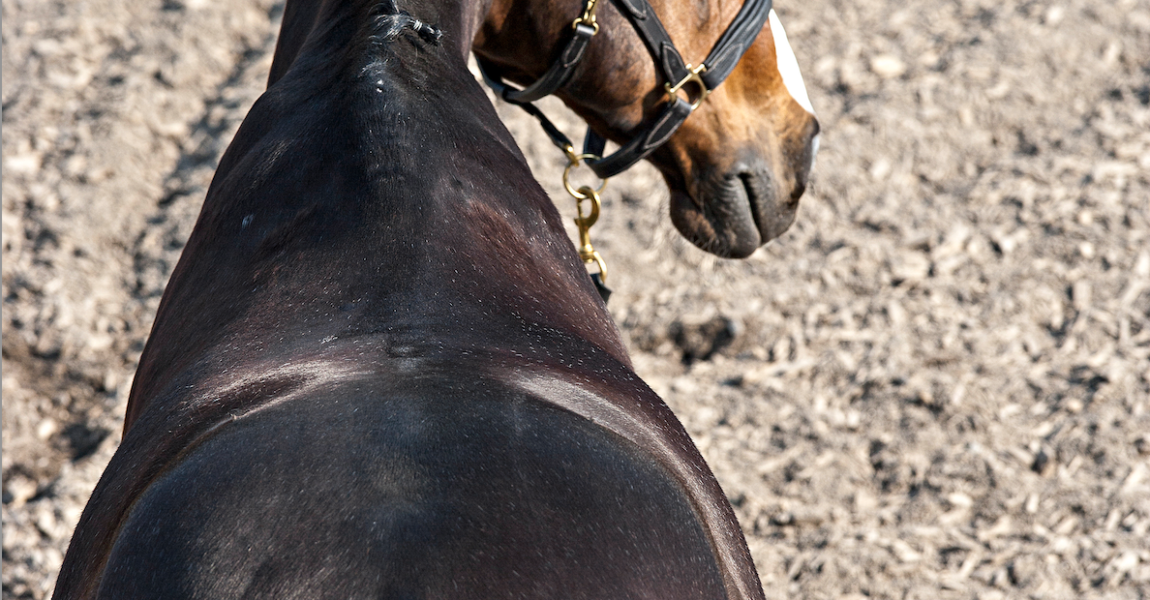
column 604, row 291
column 560, row 72
column 508, row 93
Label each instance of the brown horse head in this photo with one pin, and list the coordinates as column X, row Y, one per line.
column 738, row 165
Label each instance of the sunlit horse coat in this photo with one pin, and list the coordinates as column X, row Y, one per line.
column 380, row 370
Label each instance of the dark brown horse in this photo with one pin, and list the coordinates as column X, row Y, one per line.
column 379, row 369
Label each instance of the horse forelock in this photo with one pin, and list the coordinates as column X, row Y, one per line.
column 390, row 22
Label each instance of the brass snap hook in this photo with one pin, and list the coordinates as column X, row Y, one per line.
column 585, row 222
column 588, row 17
column 587, row 252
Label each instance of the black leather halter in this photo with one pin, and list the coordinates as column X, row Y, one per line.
column 704, row 78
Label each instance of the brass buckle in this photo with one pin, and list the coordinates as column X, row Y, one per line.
column 694, row 75
column 588, row 17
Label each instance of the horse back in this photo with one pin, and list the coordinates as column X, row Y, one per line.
column 452, row 487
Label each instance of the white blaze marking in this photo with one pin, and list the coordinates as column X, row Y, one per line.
column 788, row 65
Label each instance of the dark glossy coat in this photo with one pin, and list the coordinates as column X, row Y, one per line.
column 380, row 370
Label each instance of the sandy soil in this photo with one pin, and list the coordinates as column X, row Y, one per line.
column 935, row 385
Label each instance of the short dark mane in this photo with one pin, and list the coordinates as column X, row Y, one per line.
column 388, row 23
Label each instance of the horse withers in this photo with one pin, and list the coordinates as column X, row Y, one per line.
column 380, row 371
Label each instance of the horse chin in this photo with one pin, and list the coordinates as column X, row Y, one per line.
column 732, row 217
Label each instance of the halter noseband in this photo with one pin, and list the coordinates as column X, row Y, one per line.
column 704, row 78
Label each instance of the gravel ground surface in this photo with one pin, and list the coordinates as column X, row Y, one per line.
column 935, row 385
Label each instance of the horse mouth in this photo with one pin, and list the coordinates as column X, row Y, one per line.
column 733, row 216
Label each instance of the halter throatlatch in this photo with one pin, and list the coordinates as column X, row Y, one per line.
column 696, row 82
column 582, row 30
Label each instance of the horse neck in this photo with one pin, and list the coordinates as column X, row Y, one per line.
column 373, row 199
column 425, row 131
column 315, row 23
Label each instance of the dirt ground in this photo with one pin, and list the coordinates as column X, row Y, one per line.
column 935, row 385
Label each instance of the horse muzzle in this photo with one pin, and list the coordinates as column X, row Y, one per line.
column 732, row 211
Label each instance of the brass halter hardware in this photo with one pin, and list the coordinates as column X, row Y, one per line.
column 588, row 17
column 574, row 160
column 694, row 75
column 587, row 252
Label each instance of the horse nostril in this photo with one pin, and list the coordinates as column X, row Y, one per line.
column 799, row 189
column 803, row 172
column 803, row 163
column 813, row 139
